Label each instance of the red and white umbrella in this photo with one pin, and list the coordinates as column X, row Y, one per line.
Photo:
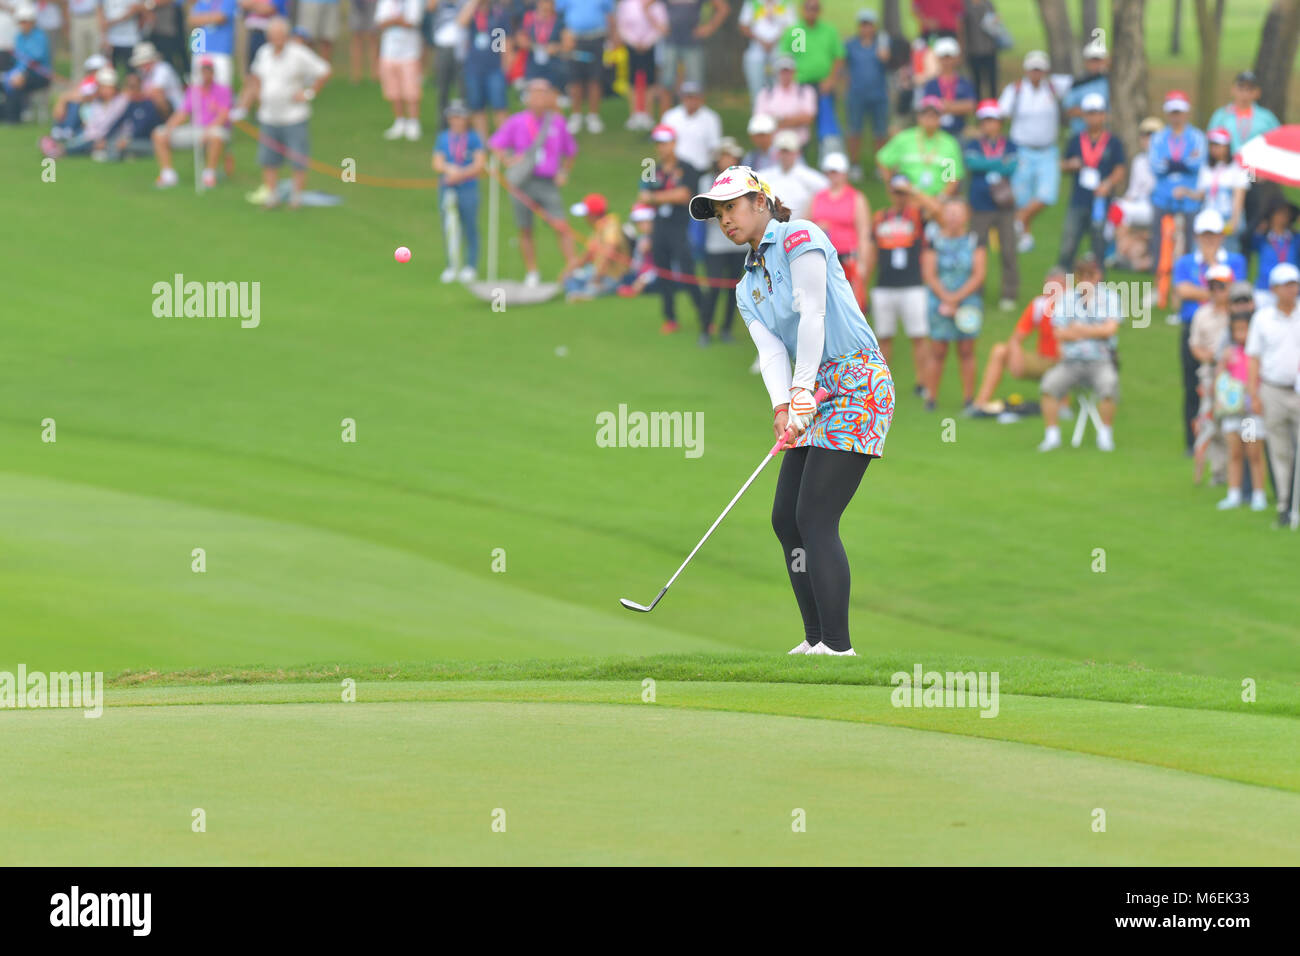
column 1274, row 155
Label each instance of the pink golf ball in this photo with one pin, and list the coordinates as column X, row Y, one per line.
column 402, row 254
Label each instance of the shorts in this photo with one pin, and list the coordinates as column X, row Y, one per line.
column 908, row 305
column 400, row 79
column 544, row 193
column 1232, row 425
column 587, row 61
column 1064, row 377
column 1037, row 175
column 857, row 416
column 691, row 59
column 183, row 137
column 361, row 16
column 320, row 20
column 1036, row 365
column 943, row 328
column 275, row 144
column 485, row 89
column 643, row 61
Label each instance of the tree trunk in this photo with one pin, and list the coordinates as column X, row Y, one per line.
column 1176, row 33
column 1277, row 51
column 1088, row 19
column 893, row 21
column 1207, row 71
column 1061, row 48
column 1128, row 72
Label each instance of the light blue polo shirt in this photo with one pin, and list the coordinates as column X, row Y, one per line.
column 765, row 292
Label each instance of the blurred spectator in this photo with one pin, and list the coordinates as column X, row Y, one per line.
column 1244, row 118
column 791, row 104
column 670, row 192
column 1095, row 79
column 398, row 23
column 938, row 18
column 927, row 156
column 445, row 37
column 158, row 79
column 589, row 24
column 640, row 274
column 1234, row 414
column 163, row 25
column 953, row 90
column 488, row 26
column 598, row 270
column 1087, row 327
column 84, row 39
column 320, row 19
column 459, row 159
column 1275, row 242
column 844, row 215
column 363, row 39
column 8, row 30
column 119, row 27
column 285, row 79
column 761, row 130
column 990, row 159
column 216, row 20
column 981, row 48
column 791, row 179
column 33, row 64
column 724, row 261
column 819, row 52
column 131, row 134
column 763, row 23
column 1273, row 351
column 1191, row 283
column 698, row 130
column 1205, row 338
column 641, row 25
column 953, row 268
column 1010, row 356
column 899, row 296
column 682, row 46
column 257, row 14
column 98, row 116
column 1221, row 185
column 1097, row 160
column 1177, row 152
column 203, row 117
column 1136, row 215
column 1033, row 104
column 866, row 58
column 537, row 151
column 67, row 113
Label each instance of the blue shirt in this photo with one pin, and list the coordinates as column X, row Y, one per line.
column 983, row 159
column 459, row 153
column 1074, row 98
column 1274, row 249
column 1189, row 149
column 1191, row 268
column 218, row 37
column 32, row 48
column 765, row 293
column 964, row 90
column 585, row 16
column 867, row 77
column 482, row 53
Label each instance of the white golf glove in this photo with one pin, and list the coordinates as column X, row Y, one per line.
column 803, row 407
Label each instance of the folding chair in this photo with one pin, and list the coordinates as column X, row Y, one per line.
column 1087, row 412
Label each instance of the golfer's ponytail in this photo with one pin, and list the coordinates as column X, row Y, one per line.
column 779, row 211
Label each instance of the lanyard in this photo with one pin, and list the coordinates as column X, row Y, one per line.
column 998, row 146
column 947, row 88
column 1243, row 131
column 543, row 37
column 459, row 146
column 1093, row 152
column 1280, row 249
column 1176, row 155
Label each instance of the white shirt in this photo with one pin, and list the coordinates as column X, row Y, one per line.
column 1141, row 181
column 82, row 8
column 8, row 30
column 1037, row 118
column 1219, row 185
column 777, row 15
column 1274, row 339
column 795, row 188
column 698, row 134
column 162, row 76
column 126, row 33
column 400, row 44
column 282, row 76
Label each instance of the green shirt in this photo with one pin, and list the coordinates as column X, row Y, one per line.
column 931, row 164
column 815, row 50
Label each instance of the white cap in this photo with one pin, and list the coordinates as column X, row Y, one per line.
column 143, row 52
column 787, row 139
column 761, row 123
column 1037, row 60
column 835, row 163
column 1095, row 50
column 1282, row 273
column 946, row 46
column 1208, row 220
column 96, row 61
column 106, row 76
column 731, row 182
column 1093, row 103
column 1220, row 272
column 25, row 12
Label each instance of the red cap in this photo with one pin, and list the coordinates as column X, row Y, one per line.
column 663, row 133
column 931, row 103
column 595, row 203
column 1219, row 135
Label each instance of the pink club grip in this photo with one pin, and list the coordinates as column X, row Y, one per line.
column 819, row 396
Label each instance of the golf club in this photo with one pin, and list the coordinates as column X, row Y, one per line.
column 821, row 395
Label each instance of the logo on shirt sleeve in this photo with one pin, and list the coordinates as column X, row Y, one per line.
column 796, row 239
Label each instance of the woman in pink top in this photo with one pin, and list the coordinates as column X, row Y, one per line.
column 844, row 215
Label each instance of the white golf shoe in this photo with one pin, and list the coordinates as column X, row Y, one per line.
column 397, row 130
column 823, row 649
column 1050, row 443
column 803, row 648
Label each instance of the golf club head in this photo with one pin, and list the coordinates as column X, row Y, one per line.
column 633, row 606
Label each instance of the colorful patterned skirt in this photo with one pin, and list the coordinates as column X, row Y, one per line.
column 857, row 415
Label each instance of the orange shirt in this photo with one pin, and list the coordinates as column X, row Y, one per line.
column 1039, row 313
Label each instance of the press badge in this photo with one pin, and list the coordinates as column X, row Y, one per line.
column 898, row 259
column 1089, row 178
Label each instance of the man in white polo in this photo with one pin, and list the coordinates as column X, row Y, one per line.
column 1273, row 351
column 699, row 130
column 1033, row 104
column 792, row 180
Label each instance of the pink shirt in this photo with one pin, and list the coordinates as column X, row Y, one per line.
column 779, row 102
column 837, row 217
column 204, row 105
column 638, row 26
column 1237, row 364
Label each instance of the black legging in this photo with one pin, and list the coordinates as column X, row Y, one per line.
column 984, row 75
column 812, row 491
column 722, row 265
column 670, row 250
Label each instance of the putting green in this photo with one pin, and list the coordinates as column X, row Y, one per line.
column 417, row 781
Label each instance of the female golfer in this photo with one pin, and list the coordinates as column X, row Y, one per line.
column 798, row 306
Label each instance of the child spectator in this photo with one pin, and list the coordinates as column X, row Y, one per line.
column 597, row 271
column 1237, row 419
column 459, row 158
column 1221, row 185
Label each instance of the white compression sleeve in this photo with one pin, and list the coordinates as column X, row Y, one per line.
column 808, row 273
column 774, row 363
